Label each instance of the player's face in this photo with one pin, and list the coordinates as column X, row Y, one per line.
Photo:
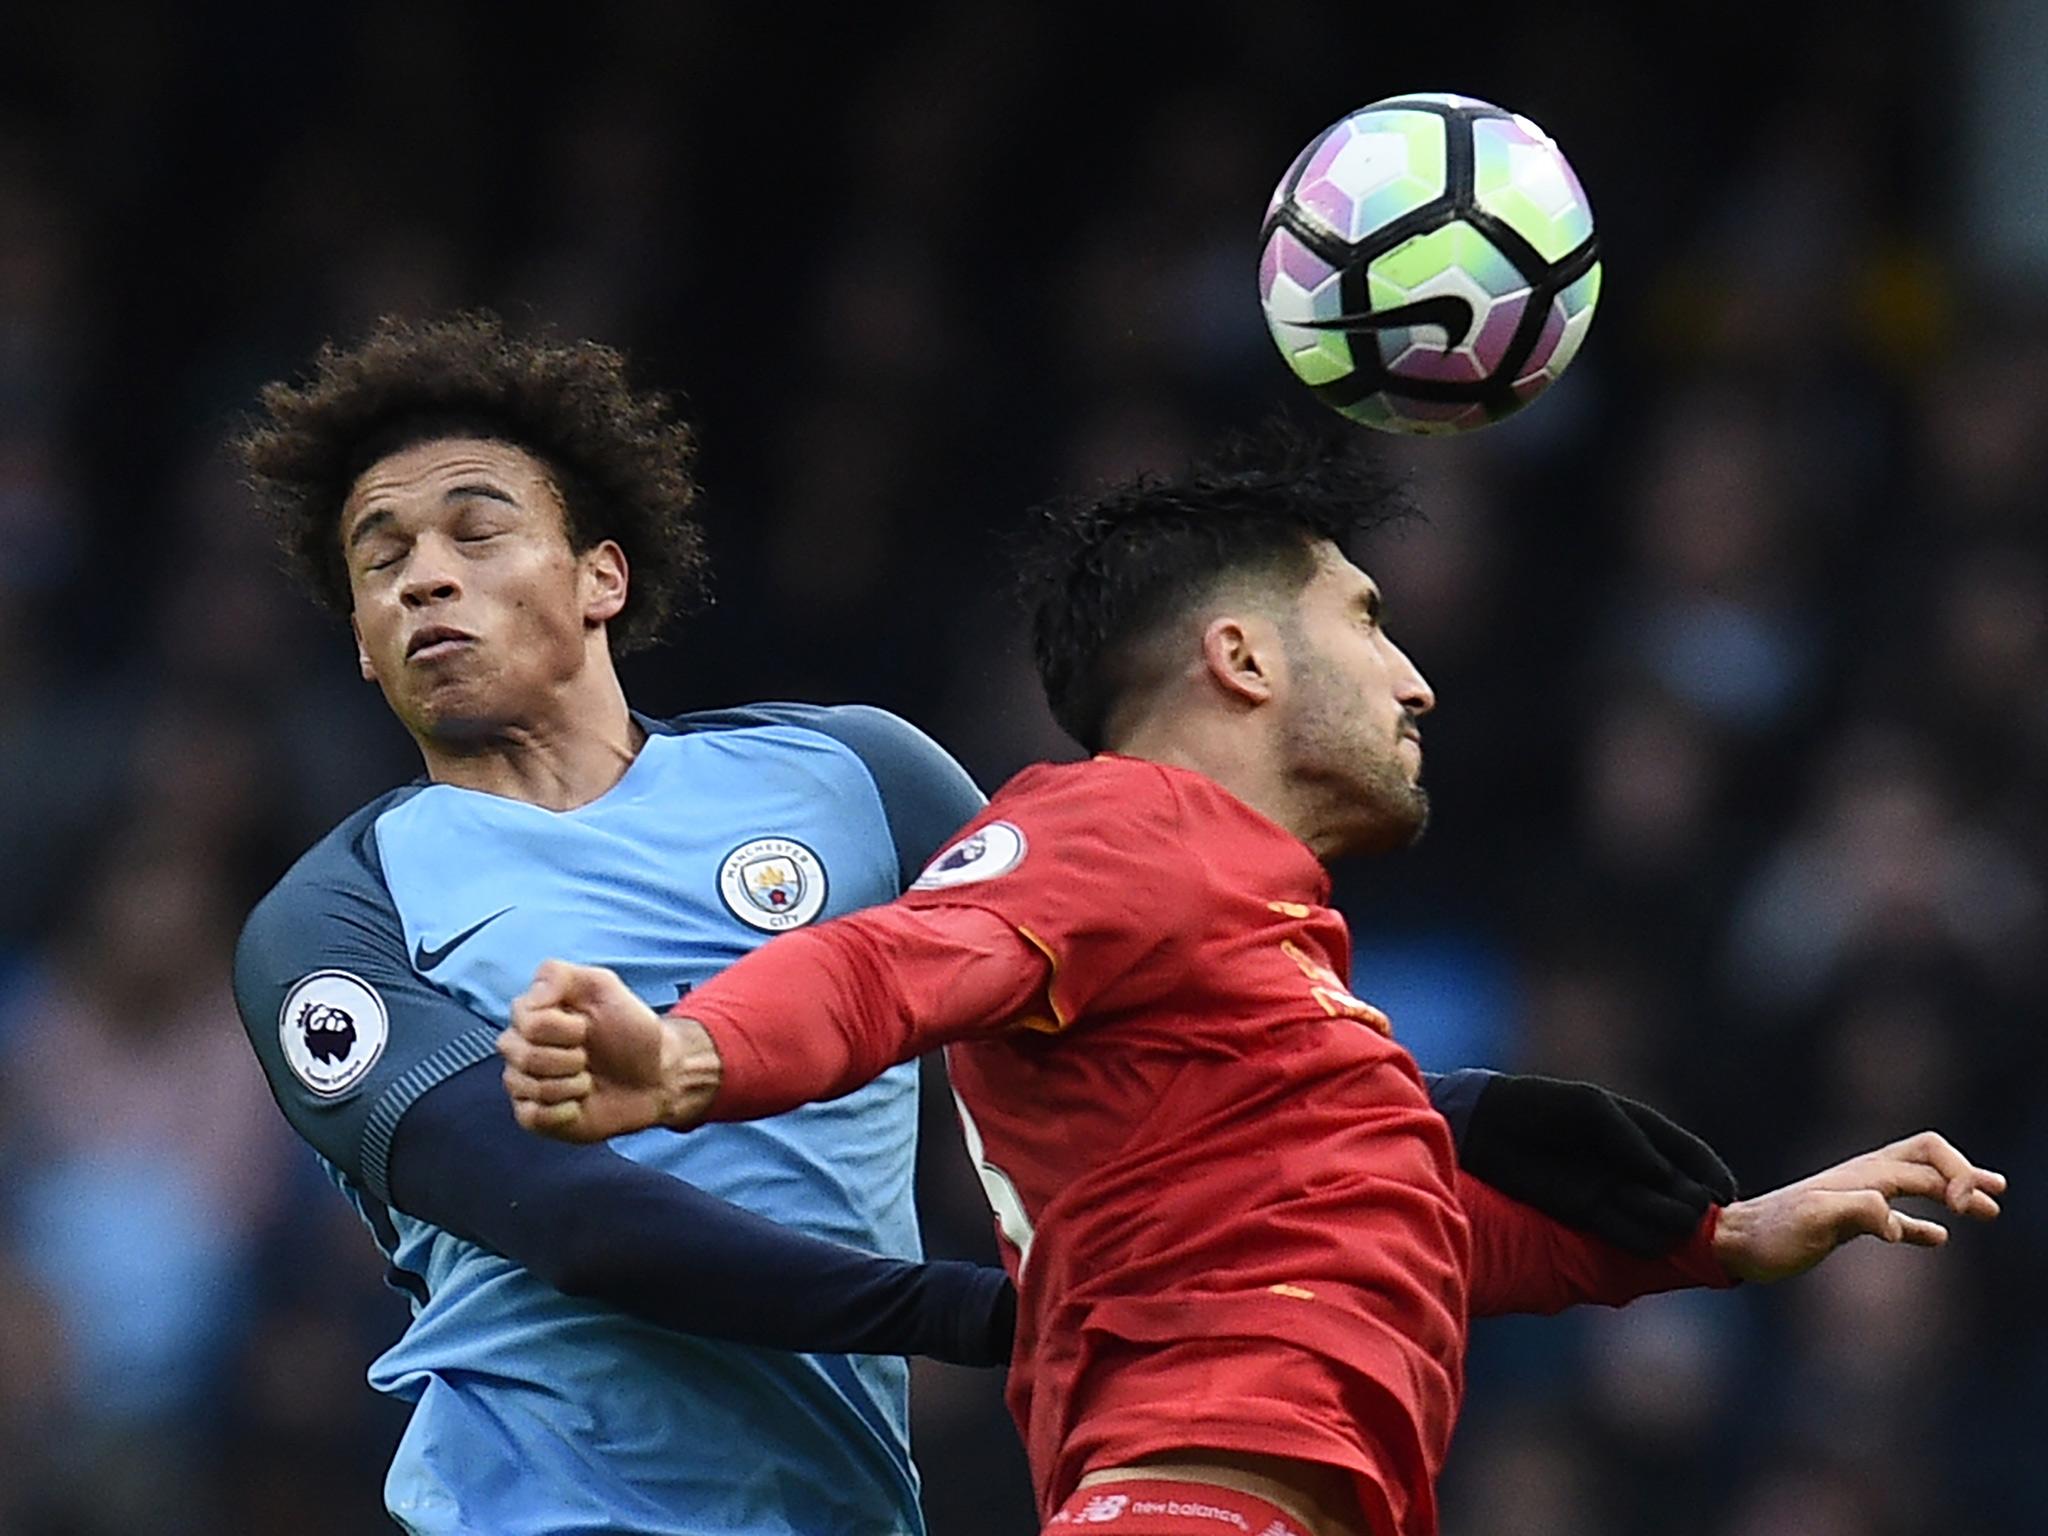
column 1352, row 705
column 472, row 612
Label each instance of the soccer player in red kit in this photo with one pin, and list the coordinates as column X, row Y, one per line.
column 1244, row 1250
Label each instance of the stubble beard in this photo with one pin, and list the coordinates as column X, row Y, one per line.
column 1363, row 777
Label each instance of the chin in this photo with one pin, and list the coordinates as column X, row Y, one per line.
column 1398, row 822
column 448, row 713
column 1419, row 819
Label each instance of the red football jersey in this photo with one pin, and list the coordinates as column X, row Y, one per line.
column 1234, row 1218
column 1235, row 1221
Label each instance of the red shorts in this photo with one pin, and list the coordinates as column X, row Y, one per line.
column 1156, row 1507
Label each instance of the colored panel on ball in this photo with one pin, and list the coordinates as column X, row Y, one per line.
column 1564, row 329
column 1370, row 169
column 1410, row 267
column 1401, row 413
column 1295, row 283
column 1479, row 293
column 1522, row 179
column 1317, row 357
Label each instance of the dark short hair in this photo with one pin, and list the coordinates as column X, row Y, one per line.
column 1104, row 573
column 620, row 458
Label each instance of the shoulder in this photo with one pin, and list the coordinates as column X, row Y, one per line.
column 347, row 1032
column 338, row 877
column 1099, row 791
column 1103, row 818
column 925, row 794
column 882, row 740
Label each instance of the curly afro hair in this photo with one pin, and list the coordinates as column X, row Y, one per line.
column 619, row 457
column 1101, row 575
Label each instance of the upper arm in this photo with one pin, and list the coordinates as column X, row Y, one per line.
column 1089, row 866
column 348, row 1034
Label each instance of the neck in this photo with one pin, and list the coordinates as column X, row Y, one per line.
column 1245, row 763
column 565, row 758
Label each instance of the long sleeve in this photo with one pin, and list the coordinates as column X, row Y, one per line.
column 820, row 1011
column 1523, row 1261
column 596, row 1225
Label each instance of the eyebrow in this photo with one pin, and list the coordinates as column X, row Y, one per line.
column 480, row 488
column 368, row 526
column 380, row 518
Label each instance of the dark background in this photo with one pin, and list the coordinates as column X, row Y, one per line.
column 1740, row 639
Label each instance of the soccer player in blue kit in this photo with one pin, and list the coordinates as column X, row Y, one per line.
column 660, row 1335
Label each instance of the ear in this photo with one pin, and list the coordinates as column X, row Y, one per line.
column 362, row 652
column 1242, row 656
column 605, row 579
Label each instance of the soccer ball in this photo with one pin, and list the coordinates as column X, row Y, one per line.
column 1428, row 264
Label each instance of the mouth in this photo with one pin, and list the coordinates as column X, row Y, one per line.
column 436, row 640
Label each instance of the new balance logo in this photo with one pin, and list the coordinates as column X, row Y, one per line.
column 1100, row 1509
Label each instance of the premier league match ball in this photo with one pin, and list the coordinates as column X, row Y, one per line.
column 1428, row 264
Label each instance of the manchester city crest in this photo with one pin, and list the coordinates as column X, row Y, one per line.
column 772, row 883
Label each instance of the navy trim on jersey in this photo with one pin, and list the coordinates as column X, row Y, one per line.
column 592, row 1223
column 481, row 1044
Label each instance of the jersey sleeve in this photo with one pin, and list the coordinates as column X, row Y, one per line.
column 1524, row 1262
column 348, row 1034
column 820, row 1011
column 1088, row 863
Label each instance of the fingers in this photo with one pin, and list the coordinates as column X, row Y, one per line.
column 1926, row 1166
column 550, row 984
column 561, row 984
column 1867, row 1213
column 1964, row 1188
column 548, row 1119
column 1977, row 1205
column 549, row 1023
column 545, row 1061
column 526, row 1089
column 1915, row 1232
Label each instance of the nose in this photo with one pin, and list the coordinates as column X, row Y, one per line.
column 429, row 574
column 1412, row 688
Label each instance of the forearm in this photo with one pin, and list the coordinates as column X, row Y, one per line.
column 1523, row 1261
column 596, row 1225
column 821, row 1011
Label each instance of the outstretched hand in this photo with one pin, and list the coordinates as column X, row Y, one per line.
column 1789, row 1230
column 586, row 1060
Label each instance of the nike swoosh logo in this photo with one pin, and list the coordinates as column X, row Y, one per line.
column 1446, row 311
column 425, row 959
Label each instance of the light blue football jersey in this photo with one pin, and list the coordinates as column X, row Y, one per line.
column 386, row 961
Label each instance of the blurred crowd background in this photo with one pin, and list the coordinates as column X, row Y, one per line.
column 1740, row 639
